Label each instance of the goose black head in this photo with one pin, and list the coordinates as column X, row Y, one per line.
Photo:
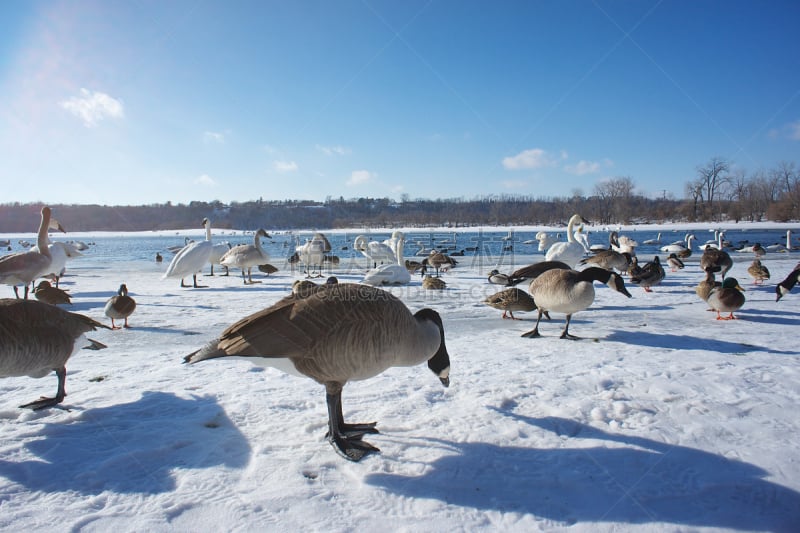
column 440, row 362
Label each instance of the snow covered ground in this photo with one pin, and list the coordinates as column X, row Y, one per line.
column 661, row 419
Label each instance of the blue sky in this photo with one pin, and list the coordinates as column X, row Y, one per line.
column 142, row 101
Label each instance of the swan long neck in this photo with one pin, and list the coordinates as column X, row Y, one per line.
column 257, row 241
column 207, row 224
column 399, row 250
column 570, row 226
column 42, row 240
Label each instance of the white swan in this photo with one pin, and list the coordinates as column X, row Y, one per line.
column 191, row 259
column 23, row 267
column 679, row 246
column 395, row 274
column 569, row 252
column 312, row 254
column 341, row 332
column 217, row 251
column 545, row 241
column 247, row 256
column 374, row 251
column 657, row 240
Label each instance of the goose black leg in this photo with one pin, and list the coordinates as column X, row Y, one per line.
column 532, row 334
column 43, row 402
column 196, row 286
column 346, row 438
column 566, row 334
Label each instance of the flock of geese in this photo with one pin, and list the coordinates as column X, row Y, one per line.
column 336, row 332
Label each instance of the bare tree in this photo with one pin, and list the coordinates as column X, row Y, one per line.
column 713, row 177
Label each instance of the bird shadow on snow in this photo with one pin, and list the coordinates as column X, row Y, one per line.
column 617, row 478
column 130, row 448
column 688, row 342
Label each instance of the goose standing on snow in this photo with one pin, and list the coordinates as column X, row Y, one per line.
column 39, row 338
column 569, row 291
column 785, row 287
column 120, row 306
column 338, row 333
column 247, row 256
column 191, row 259
column 727, row 298
column 571, row 251
column 23, row 268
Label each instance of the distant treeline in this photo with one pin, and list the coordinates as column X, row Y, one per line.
column 716, row 194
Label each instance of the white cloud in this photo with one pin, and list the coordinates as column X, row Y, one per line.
column 213, row 137
column 533, row 158
column 360, row 177
column 285, row 166
column 92, row 107
column 206, row 180
column 583, row 167
column 334, row 150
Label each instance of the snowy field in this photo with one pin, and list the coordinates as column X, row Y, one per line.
column 661, row 419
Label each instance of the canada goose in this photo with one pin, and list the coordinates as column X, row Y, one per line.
column 247, row 256
column 704, row 288
column 713, row 257
column 571, row 251
column 533, row 271
column 569, row 291
column 374, row 251
column 218, row 250
column 45, row 292
column 341, row 332
column 609, row 259
column 120, row 306
column 191, row 259
column 431, row 283
column 510, row 300
column 758, row 272
column 24, row 267
column 39, row 338
column 650, row 275
column 785, row 287
column 727, row 298
column 439, row 261
column 392, row 274
column 674, row 262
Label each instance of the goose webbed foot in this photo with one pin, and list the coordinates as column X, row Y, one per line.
column 569, row 336
column 532, row 334
column 42, row 403
column 355, row 431
column 351, row 448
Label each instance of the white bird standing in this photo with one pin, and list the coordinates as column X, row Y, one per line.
column 395, row 274
column 39, row 338
column 374, row 251
column 571, row 251
column 191, row 259
column 247, row 256
column 312, row 254
column 218, row 250
column 23, row 268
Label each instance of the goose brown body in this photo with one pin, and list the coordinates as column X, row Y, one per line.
column 38, row 338
column 335, row 334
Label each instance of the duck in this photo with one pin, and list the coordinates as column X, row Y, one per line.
column 45, row 292
column 159, row 258
column 374, row 251
column 704, row 288
column 726, row 298
column 39, row 338
column 120, row 307
column 675, row 262
column 247, row 256
column 431, row 283
column 713, row 257
column 609, row 259
column 510, row 300
column 191, row 259
column 571, row 251
column 498, row 278
column 413, row 266
column 758, row 272
column 650, row 275
column 267, row 269
column 569, row 291
column 785, row 287
column 22, row 268
column 340, row 333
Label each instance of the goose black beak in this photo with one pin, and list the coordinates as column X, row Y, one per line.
column 445, row 381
